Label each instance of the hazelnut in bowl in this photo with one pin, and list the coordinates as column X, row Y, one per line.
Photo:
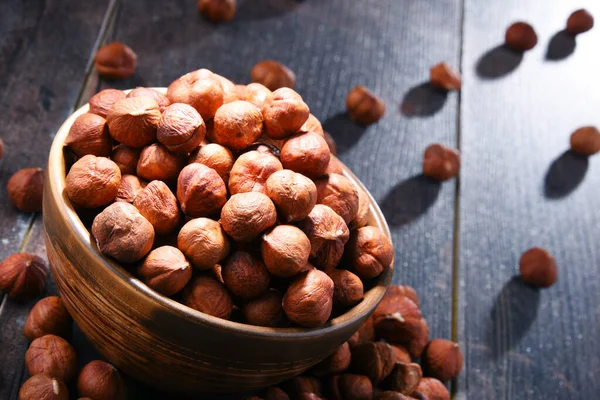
column 209, row 277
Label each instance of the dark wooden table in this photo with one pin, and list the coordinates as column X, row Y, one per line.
column 457, row 243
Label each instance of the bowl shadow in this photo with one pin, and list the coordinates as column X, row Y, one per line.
column 423, row 100
column 344, row 131
column 498, row 62
column 409, row 199
column 564, row 175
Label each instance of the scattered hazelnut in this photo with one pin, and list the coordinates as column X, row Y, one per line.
column 203, row 241
column 89, row 135
column 294, row 194
column 440, row 162
column 123, row 233
column 521, row 37
column 181, row 128
column 209, row 296
column 99, row 380
column 265, row 310
column 303, row 384
column 48, row 316
column 538, row 268
column 251, row 171
column 115, row 61
column 43, row 387
column 431, row 389
column 335, row 166
column 25, row 189
column 256, row 94
column 93, row 182
column 237, row 125
column 275, row 393
column 327, row 233
column 200, row 190
column 312, row 124
column 245, row 276
column 348, row 288
column 23, row 276
column 217, row 10
column 580, row 21
column 103, row 101
column 391, row 395
column 247, row 215
column 157, row 163
column 404, row 378
column 126, row 159
column 165, row 270
column 309, row 299
column 336, row 363
column 330, row 143
column 306, row 153
column 586, row 141
column 444, row 77
column 364, row 204
column 133, row 121
column 351, row 387
column 285, row 250
column 402, row 355
column 53, row 356
column 373, row 359
column 363, row 106
column 273, row 75
column 284, row 113
column 215, row 156
column 370, row 252
column 128, row 188
column 158, row 205
column 201, row 90
column 161, row 99
column 442, row 359
column 338, row 193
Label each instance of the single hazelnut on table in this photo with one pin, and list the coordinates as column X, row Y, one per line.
column 100, row 380
column 312, row 124
column 103, row 101
column 440, row 162
column 330, row 143
column 123, row 233
column 237, row 125
column 265, row 310
column 348, row 288
column 23, row 276
column 363, row 106
column 165, row 270
column 431, row 389
column 309, row 299
column 275, row 393
column 336, row 363
column 247, row 215
column 133, row 121
column 538, row 268
column 93, row 182
column 327, row 233
column 157, row 163
column 335, row 166
column 370, row 252
column 159, row 206
column 53, row 356
column 444, row 77
column 245, row 276
column 181, row 128
column 294, row 194
column 404, row 378
column 48, row 316
column 351, row 387
column 580, row 21
column 217, row 10
column 442, row 359
column 521, row 37
column 207, row 295
column 115, row 61
column 338, row 193
column 214, row 156
column 43, row 387
column 303, row 384
column 129, row 188
column 126, row 159
column 256, row 94
column 200, row 190
column 251, row 171
column 285, row 250
column 306, row 153
column 585, row 141
column 26, row 188
column 201, row 90
column 376, row 360
column 273, row 75
column 161, row 99
column 89, row 135
column 362, row 215
column 284, row 112
column 203, row 242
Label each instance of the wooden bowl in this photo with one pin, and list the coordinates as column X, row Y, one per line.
column 162, row 342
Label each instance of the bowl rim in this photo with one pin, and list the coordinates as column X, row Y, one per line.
column 56, row 170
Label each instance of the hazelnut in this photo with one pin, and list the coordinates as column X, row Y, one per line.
column 366, row 333
column 351, row 387
column 217, row 272
column 521, row 37
column 158, row 205
column 312, row 124
column 240, row 92
column 115, row 61
column 251, row 171
column 338, row 193
column 401, row 354
column 245, row 276
column 53, row 356
column 103, row 101
column 129, row 188
column 370, row 252
column 327, row 233
column 247, row 215
column 126, row 159
column 89, row 135
column 285, row 250
column 256, row 94
column 404, row 378
column 230, row 92
column 431, row 389
column 100, row 380
column 237, row 125
column 161, row 99
column 25, row 189
column 93, row 182
column 538, row 268
column 336, row 363
column 165, row 270
column 335, row 166
column 586, row 141
column 203, row 241
column 43, row 387
column 200, row 190
column 373, row 359
column 214, row 156
column 391, row 395
column 308, row 396
column 363, row 106
column 265, row 310
column 364, row 204
column 330, row 143
column 209, row 296
column 440, row 162
column 48, row 316
column 393, row 294
column 309, row 299
column 306, row 153
column 348, row 288
column 284, row 113
column 217, row 10
column 133, row 121
column 275, row 393
column 303, row 384
column 273, row 75
column 294, row 194
column 444, row 77
column 201, row 90
column 23, row 276
column 123, row 233
column 156, row 163
column 442, row 359
column 580, row 21
column 181, row 128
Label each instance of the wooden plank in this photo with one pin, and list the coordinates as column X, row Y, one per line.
column 518, row 190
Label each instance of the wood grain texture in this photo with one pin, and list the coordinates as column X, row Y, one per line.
column 520, row 189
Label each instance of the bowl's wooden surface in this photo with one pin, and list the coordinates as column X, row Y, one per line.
column 161, row 342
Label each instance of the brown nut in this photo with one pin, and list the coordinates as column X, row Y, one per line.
column 43, row 387
column 165, row 270
column 251, row 171
column 521, row 37
column 338, row 193
column 89, row 135
column 538, row 268
column 214, row 156
column 133, row 121
column 246, row 215
column 103, row 101
column 157, row 163
column 23, row 276
column 294, row 194
column 363, row 106
column 330, row 143
column 207, row 295
column 351, row 387
column 237, row 125
column 99, row 380
column 444, row 77
column 348, row 288
column 364, row 204
column 404, row 378
column 309, row 299
column 161, row 99
column 53, row 356
column 93, row 182
column 370, row 252
column 306, row 153
column 275, row 393
column 48, row 316
column 285, row 250
column 391, row 395
column 26, row 188
column 580, row 21
column 126, row 159
column 115, row 61
column 393, row 294
column 256, row 94
column 442, row 359
column 284, row 112
column 128, row 188
column 336, row 363
column 265, row 310
column 585, row 141
column 431, row 389
column 203, row 241
column 273, row 75
column 200, row 191
column 327, row 233
column 312, row 124
column 181, row 128
column 201, row 90
column 440, row 162
column 335, row 166
column 373, row 359
column 230, row 92
column 123, row 233
column 366, row 333
column 158, row 205
column 303, row 384
column 245, row 276
column 217, row 10
column 401, row 354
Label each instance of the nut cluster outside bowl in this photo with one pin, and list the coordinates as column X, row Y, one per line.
column 161, row 342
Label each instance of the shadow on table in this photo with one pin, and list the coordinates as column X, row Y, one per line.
column 564, row 175
column 498, row 62
column 409, row 199
column 344, row 131
column 423, row 101
column 249, row 10
column 561, row 46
